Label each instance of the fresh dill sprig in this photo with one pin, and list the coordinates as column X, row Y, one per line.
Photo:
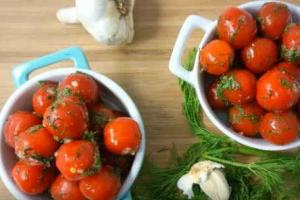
column 268, row 176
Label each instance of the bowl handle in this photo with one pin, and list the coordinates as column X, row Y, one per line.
column 191, row 23
column 21, row 72
column 127, row 196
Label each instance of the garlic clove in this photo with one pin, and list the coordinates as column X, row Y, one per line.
column 216, row 186
column 210, row 177
column 185, row 183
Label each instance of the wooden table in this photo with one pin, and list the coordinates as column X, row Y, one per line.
column 29, row 29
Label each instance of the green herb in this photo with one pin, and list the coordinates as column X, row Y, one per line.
column 241, row 21
column 90, row 136
column 242, row 115
column 227, row 82
column 34, row 128
column 270, row 176
column 41, row 83
column 290, row 54
column 41, row 159
column 285, row 83
column 96, row 165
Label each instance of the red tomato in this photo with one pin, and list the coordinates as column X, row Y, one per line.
column 277, row 90
column 260, row 55
column 100, row 116
column 279, row 128
column 81, row 84
column 122, row 136
column 273, row 17
column 245, row 118
column 62, row 189
column 237, row 86
column 213, row 99
column 236, row 26
column 289, row 68
column 216, row 57
column 43, row 97
column 67, row 118
column 103, row 185
column 29, row 145
column 76, row 159
column 32, row 179
column 290, row 49
column 17, row 123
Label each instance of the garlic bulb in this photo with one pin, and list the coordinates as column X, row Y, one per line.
column 108, row 21
column 211, row 179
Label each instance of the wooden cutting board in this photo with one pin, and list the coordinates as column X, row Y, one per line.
column 29, row 29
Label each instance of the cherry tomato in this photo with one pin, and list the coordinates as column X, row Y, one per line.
column 260, row 55
column 103, row 185
column 67, row 118
column 289, row 68
column 29, row 145
column 237, row 27
column 122, row 136
column 17, row 123
column 43, row 97
column 100, row 116
column 237, row 86
column 32, row 179
column 277, row 90
column 245, row 118
column 279, row 128
column 216, row 57
column 213, row 99
column 62, row 189
column 76, row 159
column 290, row 49
column 82, row 85
column 273, row 17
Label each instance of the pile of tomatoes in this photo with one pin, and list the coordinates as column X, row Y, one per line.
column 71, row 143
column 255, row 59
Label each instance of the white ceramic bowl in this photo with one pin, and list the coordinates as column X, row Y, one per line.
column 111, row 93
column 200, row 80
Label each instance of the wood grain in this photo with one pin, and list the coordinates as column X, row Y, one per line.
column 29, row 29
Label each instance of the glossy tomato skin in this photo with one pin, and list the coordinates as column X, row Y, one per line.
column 103, row 185
column 35, row 144
column 237, row 86
column 216, row 57
column 73, row 159
column 62, row 189
column 18, row 122
column 43, row 97
column 237, row 27
column 82, row 85
column 213, row 99
column 260, row 55
column 290, row 49
column 122, row 136
column 245, row 118
column 277, row 90
column 32, row 179
column 67, row 118
column 279, row 128
column 273, row 17
column 290, row 69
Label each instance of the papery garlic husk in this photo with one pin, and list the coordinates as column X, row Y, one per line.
column 211, row 179
column 105, row 20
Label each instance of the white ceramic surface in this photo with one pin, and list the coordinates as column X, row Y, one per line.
column 111, row 93
column 199, row 80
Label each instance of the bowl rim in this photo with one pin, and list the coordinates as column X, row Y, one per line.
column 112, row 86
column 200, row 90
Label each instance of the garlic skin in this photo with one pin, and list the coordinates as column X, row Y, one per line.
column 102, row 19
column 210, row 177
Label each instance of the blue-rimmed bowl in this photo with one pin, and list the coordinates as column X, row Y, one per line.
column 111, row 93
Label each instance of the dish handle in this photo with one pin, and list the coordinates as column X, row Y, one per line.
column 21, row 72
column 191, row 23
